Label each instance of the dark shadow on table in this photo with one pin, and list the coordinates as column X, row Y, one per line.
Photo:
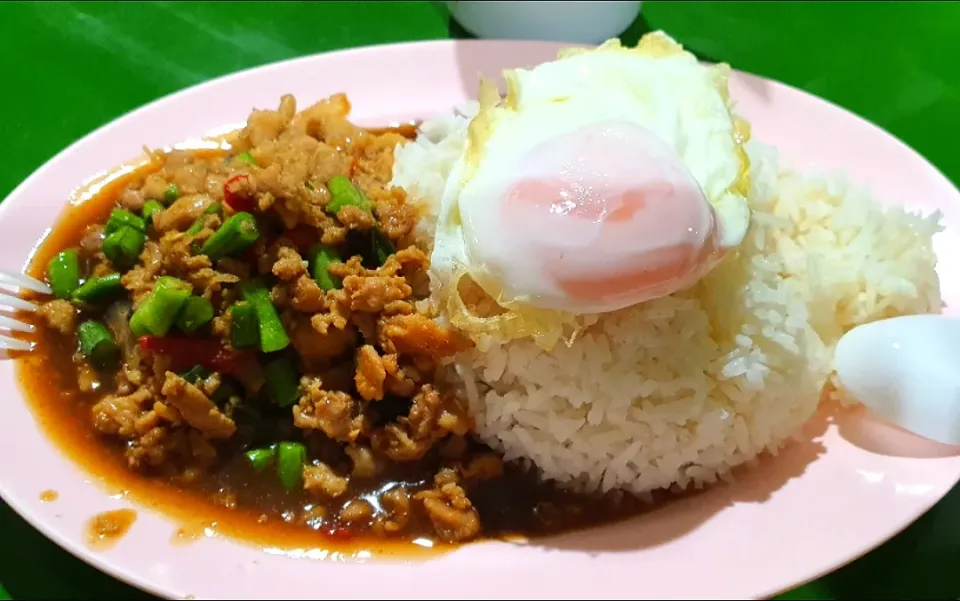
column 455, row 30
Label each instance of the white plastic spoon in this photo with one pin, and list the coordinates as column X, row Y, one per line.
column 907, row 370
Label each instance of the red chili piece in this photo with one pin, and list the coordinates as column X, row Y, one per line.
column 185, row 352
column 234, row 195
column 339, row 533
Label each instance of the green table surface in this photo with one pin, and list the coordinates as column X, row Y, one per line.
column 71, row 67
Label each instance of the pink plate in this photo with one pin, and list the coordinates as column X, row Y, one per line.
column 821, row 503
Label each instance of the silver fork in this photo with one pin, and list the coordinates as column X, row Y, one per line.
column 12, row 301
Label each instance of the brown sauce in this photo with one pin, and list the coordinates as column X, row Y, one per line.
column 512, row 505
column 104, row 530
column 46, row 375
column 49, row 496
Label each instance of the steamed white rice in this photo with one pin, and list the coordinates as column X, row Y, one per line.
column 679, row 390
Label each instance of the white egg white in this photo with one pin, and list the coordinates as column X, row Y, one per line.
column 656, row 85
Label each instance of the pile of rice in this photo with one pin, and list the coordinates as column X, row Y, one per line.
column 679, row 390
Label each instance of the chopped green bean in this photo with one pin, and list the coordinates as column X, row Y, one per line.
column 151, row 208
column 343, row 193
column 283, row 383
column 291, row 457
column 97, row 289
column 97, row 344
column 320, row 259
column 195, row 374
column 122, row 217
column 195, row 313
column 272, row 335
column 261, row 458
column 159, row 310
column 197, row 226
column 123, row 245
column 243, row 326
column 234, row 236
column 382, row 246
column 63, row 273
column 246, row 157
column 171, row 194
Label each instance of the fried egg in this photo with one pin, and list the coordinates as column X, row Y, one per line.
column 601, row 180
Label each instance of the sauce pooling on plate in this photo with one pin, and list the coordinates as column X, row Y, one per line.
column 105, row 530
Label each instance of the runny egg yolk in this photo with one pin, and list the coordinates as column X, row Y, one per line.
column 600, row 218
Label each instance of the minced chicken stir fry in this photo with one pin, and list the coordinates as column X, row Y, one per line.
column 246, row 325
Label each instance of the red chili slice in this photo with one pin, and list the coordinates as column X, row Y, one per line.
column 339, row 533
column 236, row 196
column 186, row 352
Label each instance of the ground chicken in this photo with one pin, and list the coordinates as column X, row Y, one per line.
column 332, row 412
column 371, row 373
column 321, row 480
column 61, row 315
column 197, row 410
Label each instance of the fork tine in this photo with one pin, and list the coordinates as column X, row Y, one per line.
column 24, row 281
column 16, row 303
column 12, row 344
column 10, row 323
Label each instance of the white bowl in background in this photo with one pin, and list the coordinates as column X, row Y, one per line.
column 572, row 22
